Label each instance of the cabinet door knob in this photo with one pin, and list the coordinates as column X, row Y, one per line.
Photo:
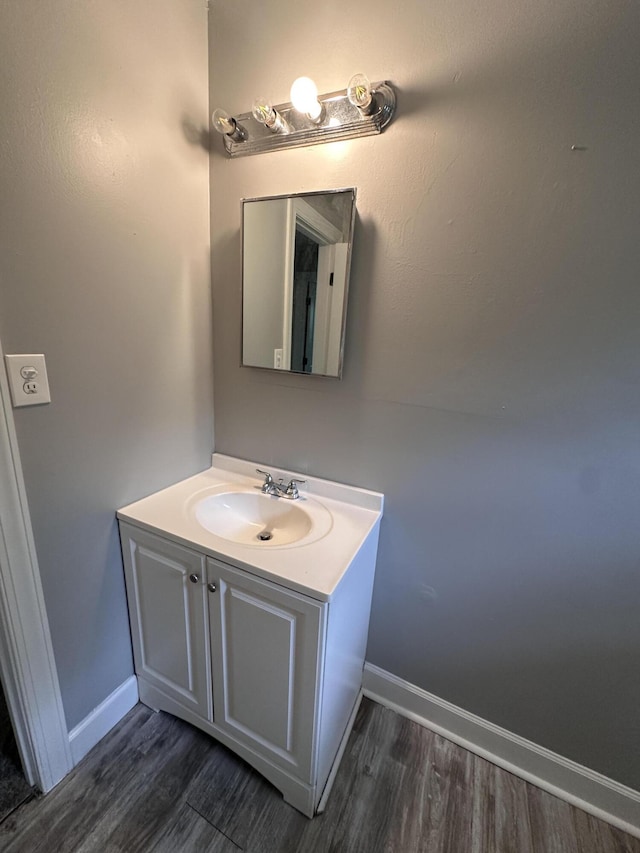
column 211, row 587
column 194, row 578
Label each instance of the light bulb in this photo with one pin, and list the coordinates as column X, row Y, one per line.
column 264, row 112
column 228, row 126
column 223, row 122
column 359, row 93
column 304, row 97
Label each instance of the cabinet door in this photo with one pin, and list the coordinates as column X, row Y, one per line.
column 266, row 645
column 168, row 614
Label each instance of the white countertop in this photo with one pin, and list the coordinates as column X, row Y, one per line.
column 315, row 568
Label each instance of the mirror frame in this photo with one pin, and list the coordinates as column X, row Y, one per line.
column 287, row 284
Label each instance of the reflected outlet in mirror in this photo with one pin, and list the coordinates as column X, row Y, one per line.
column 296, row 254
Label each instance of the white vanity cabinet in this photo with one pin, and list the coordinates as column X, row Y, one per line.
column 273, row 674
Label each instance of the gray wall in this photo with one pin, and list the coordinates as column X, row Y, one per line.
column 492, row 371
column 104, row 267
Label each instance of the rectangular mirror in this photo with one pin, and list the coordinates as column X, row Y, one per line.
column 296, row 254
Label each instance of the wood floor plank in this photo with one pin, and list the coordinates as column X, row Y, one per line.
column 551, row 825
column 229, row 794
column 589, row 834
column 188, row 832
column 368, row 819
column 623, row 842
column 442, row 802
column 414, row 804
column 513, row 828
column 456, row 771
column 277, row 825
column 483, row 812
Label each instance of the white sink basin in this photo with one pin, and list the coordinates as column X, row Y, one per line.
column 252, row 518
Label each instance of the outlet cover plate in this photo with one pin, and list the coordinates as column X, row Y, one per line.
column 28, row 379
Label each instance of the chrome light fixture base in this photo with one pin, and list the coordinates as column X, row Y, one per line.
column 341, row 120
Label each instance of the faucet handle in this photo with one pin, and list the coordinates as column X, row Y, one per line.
column 268, row 480
column 292, row 488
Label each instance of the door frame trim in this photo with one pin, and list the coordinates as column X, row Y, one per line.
column 27, row 663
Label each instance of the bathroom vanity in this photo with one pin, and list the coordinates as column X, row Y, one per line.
column 249, row 615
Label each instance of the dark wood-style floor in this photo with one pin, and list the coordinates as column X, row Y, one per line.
column 157, row 784
column 14, row 788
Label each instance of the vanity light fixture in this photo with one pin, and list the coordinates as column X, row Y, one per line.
column 362, row 109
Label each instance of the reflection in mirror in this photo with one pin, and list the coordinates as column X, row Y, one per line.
column 296, row 252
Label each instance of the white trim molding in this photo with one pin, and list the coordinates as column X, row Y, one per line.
column 27, row 664
column 102, row 719
column 594, row 793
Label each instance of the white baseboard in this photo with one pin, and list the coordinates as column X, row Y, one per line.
column 102, row 719
column 584, row 788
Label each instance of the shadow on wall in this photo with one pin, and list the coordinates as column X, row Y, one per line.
column 361, row 296
column 196, row 135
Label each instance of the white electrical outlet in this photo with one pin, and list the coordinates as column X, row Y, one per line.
column 277, row 359
column 28, row 379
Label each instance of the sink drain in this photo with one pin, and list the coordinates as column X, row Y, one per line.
column 265, row 536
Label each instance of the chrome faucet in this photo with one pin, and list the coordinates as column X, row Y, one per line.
column 279, row 490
